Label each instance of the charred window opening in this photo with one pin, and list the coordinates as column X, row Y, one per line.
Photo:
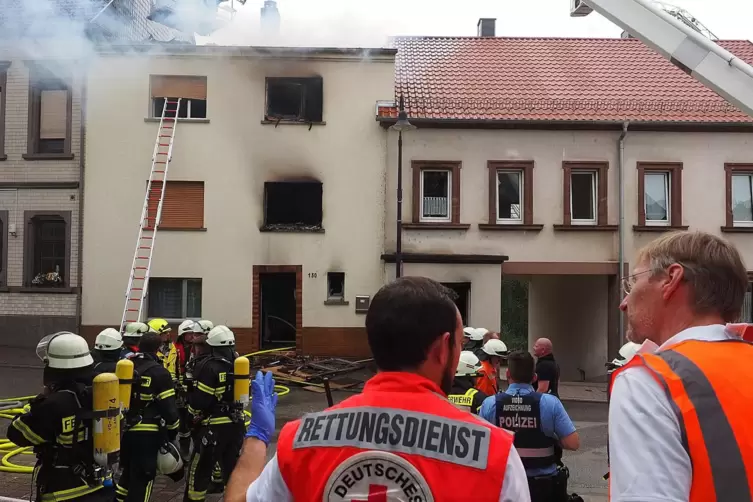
column 294, row 99
column 293, row 205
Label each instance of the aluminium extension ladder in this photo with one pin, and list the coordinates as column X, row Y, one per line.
column 138, row 279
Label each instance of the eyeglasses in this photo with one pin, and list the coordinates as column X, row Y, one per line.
column 629, row 281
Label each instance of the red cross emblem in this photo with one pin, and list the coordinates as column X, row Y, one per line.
column 377, row 493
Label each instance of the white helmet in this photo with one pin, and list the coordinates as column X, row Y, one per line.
column 168, row 459
column 108, row 339
column 478, row 334
column 221, row 336
column 64, row 350
column 203, row 326
column 136, row 329
column 495, row 347
column 468, row 331
column 627, row 352
column 186, row 326
column 468, row 364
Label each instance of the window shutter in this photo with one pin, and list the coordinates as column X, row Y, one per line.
column 183, row 206
column 170, row 86
column 314, row 100
column 53, row 114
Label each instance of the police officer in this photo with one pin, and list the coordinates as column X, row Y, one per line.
column 401, row 438
column 211, row 401
column 152, row 420
column 463, row 394
column 107, row 350
column 539, row 422
column 67, row 470
column 131, row 336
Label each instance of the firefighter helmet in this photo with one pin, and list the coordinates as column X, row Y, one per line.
column 159, row 326
column 468, row 365
column 108, row 339
column 64, row 350
column 221, row 336
column 495, row 347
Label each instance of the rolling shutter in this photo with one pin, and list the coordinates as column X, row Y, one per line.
column 53, row 112
column 171, row 86
column 183, row 207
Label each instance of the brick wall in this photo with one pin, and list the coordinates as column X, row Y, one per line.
column 16, row 197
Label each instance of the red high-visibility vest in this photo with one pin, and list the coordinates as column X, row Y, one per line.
column 709, row 383
column 401, row 435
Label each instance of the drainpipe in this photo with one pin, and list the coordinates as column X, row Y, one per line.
column 82, row 150
column 621, row 252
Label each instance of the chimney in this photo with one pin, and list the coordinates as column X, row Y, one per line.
column 486, row 27
column 270, row 18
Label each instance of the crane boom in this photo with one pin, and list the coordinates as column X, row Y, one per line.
column 707, row 62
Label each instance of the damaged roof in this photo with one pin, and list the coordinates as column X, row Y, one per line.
column 551, row 80
column 103, row 21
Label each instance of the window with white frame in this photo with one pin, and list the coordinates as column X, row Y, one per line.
column 742, row 199
column 192, row 91
column 583, row 201
column 175, row 299
column 656, row 198
column 436, row 190
column 509, row 196
column 187, row 108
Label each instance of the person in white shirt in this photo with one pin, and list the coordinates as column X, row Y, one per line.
column 683, row 290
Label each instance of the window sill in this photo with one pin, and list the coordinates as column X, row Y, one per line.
column 45, row 291
column 658, row 228
column 292, row 229
column 291, row 122
column 586, row 228
column 436, row 226
column 47, row 156
column 3, row 157
column 738, row 230
column 182, row 121
column 178, row 229
column 4, row 289
column 336, row 302
column 509, row 227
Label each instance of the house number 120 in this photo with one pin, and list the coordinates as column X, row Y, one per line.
column 312, row 275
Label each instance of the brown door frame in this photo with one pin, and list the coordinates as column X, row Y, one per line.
column 256, row 296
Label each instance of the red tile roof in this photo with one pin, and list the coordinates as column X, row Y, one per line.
column 552, row 79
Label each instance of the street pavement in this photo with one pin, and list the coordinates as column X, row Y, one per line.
column 20, row 375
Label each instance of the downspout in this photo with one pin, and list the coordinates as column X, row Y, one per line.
column 621, row 251
column 81, row 162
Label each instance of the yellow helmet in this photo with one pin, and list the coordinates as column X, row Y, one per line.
column 159, row 326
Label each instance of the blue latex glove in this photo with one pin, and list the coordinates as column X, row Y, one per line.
column 263, row 404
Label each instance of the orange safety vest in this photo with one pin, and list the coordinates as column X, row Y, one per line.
column 709, row 384
column 487, row 381
column 400, row 436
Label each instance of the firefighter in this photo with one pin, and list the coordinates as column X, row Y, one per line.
column 176, row 364
column 163, row 329
column 131, row 336
column 463, row 394
column 474, row 339
column 67, row 470
column 494, row 350
column 151, row 421
column 220, row 434
column 108, row 347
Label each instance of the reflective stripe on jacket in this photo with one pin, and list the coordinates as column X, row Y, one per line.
column 400, row 434
column 713, row 405
column 463, row 401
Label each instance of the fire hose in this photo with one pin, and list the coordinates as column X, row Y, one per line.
column 11, row 407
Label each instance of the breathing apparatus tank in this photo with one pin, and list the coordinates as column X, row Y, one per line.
column 106, row 424
column 124, row 372
column 241, row 368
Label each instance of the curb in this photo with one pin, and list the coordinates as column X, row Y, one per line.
column 577, row 400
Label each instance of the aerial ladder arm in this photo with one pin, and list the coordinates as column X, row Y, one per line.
column 707, row 62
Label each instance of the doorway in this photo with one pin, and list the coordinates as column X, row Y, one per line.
column 277, row 313
column 463, row 290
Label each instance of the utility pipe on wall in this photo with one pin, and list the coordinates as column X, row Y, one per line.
column 81, row 171
column 621, row 251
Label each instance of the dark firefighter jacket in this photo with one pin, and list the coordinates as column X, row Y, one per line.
column 105, row 361
column 49, row 427
column 210, row 400
column 465, row 396
column 153, row 404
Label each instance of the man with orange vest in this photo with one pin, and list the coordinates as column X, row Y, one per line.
column 679, row 423
column 493, row 351
column 401, row 439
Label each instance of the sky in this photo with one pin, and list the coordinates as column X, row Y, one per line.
column 368, row 23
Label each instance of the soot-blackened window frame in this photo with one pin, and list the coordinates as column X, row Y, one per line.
column 311, row 100
column 280, row 197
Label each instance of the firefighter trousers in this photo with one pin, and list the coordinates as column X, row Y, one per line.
column 215, row 444
column 101, row 495
column 138, row 458
column 184, row 433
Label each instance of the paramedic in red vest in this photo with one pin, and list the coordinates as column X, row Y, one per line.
column 679, row 418
column 399, row 440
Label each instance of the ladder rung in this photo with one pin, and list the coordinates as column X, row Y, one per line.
column 161, row 172
column 139, row 268
column 167, row 127
column 165, row 135
column 147, row 236
column 132, row 310
column 161, row 161
column 134, row 299
column 142, row 257
column 145, row 247
column 164, row 144
column 137, row 289
column 173, row 102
